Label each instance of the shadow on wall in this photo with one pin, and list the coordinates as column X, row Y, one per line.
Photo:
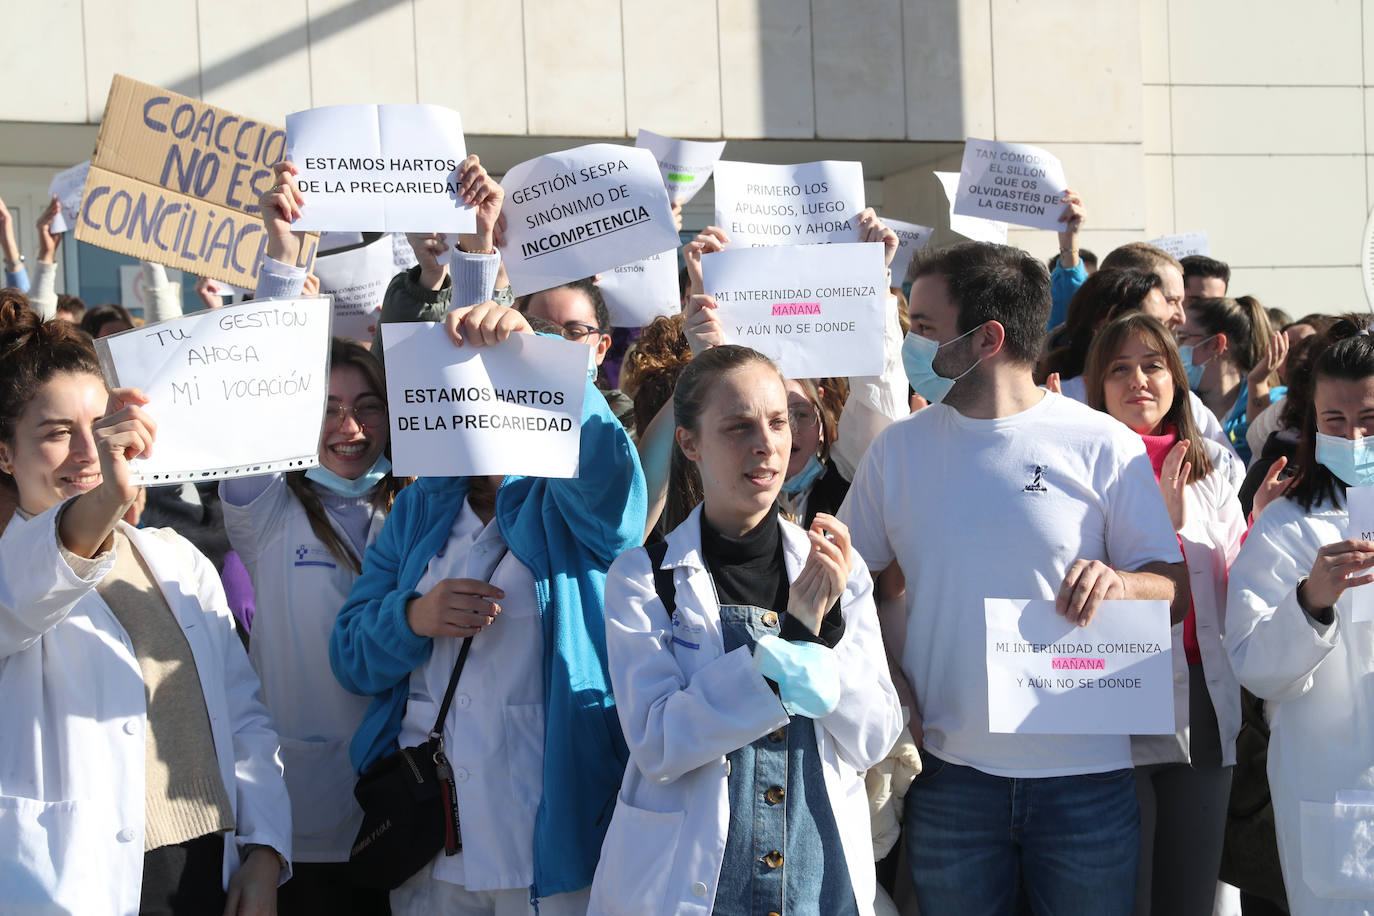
column 281, row 44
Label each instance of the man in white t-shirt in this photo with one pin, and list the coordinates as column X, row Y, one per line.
column 1005, row 490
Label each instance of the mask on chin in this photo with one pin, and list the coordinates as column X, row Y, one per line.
column 349, row 489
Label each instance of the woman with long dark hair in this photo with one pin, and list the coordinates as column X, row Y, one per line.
column 302, row 536
column 1299, row 637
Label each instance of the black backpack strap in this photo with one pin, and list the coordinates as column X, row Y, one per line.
column 663, row 578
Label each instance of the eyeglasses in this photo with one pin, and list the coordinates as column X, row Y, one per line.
column 369, row 415
column 577, row 330
column 802, row 418
column 1183, row 338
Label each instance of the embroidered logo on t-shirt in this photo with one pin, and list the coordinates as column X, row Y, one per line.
column 1036, row 485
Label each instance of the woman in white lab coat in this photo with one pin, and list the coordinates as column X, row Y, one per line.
column 753, row 709
column 302, row 535
column 138, row 767
column 1301, row 638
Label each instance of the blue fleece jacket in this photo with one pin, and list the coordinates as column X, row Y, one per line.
column 566, row 532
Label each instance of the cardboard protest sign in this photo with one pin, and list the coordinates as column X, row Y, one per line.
column 380, row 168
column 1183, row 244
column 580, row 212
column 815, row 310
column 638, row 292
column 1012, row 182
column 177, row 181
column 510, row 408
column 686, row 164
column 67, row 186
column 1048, row 676
column 911, row 238
column 809, row 203
column 1360, row 503
column 970, row 227
column 235, row 391
column 356, row 280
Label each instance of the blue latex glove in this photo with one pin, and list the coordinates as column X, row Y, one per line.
column 807, row 676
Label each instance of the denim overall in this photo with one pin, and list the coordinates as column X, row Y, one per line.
column 779, row 813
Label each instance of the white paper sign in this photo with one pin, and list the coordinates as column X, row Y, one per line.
column 1047, row 676
column 1360, row 503
column 638, row 292
column 970, row 227
column 235, row 391
column 69, row 186
column 379, row 168
column 511, row 408
column 815, row 310
column 809, row 203
column 577, row 213
column 134, row 295
column 911, row 238
column 1183, row 244
column 1012, row 182
column 685, row 164
column 356, row 280
column 402, row 255
column 333, row 241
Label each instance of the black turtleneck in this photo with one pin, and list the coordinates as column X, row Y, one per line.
column 749, row 569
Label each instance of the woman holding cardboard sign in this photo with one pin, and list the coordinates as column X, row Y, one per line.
column 750, row 680
column 533, row 747
column 1134, row 372
column 139, row 770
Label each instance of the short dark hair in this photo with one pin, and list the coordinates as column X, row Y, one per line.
column 996, row 283
column 98, row 317
column 1199, row 265
column 1085, row 255
column 72, row 306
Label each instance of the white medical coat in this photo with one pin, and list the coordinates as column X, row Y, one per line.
column 1320, row 680
column 683, row 709
column 73, row 716
column 299, row 588
column 1211, row 539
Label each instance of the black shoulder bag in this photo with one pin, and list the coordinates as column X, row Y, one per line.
column 410, row 806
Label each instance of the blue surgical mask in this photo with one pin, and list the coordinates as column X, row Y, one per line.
column 1352, row 460
column 918, row 354
column 349, row 489
column 1194, row 372
column 805, row 477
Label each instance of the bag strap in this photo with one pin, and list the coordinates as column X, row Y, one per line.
column 437, row 732
column 663, row 578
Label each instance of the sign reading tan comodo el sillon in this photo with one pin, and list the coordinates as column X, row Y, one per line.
column 177, row 181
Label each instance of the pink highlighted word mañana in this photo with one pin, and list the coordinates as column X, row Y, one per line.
column 796, row 308
column 1078, row 664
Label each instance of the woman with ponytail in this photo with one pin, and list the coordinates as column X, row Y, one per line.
column 302, row 536
column 1220, row 341
column 138, row 770
column 1300, row 639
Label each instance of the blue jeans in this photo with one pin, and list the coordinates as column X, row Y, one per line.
column 981, row 845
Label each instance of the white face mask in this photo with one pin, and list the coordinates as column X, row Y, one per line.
column 918, row 357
